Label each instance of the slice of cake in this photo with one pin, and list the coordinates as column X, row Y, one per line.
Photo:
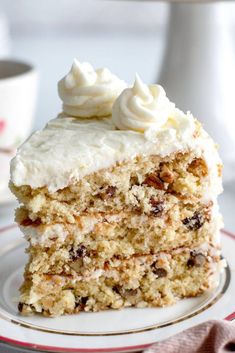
column 118, row 200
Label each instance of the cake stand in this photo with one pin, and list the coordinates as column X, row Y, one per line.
column 198, row 68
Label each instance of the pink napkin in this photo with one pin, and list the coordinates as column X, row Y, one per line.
column 216, row 336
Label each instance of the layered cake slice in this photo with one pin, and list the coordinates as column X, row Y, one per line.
column 118, row 200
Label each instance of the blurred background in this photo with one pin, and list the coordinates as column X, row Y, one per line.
column 124, row 36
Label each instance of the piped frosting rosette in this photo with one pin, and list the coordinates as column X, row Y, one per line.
column 147, row 109
column 141, row 107
column 86, row 92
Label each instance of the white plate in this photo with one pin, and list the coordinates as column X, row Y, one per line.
column 110, row 331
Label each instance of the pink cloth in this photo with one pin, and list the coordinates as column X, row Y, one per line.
column 215, row 336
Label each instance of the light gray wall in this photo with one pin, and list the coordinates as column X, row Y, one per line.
column 71, row 15
column 126, row 36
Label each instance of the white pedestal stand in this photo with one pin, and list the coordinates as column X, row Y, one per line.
column 198, row 70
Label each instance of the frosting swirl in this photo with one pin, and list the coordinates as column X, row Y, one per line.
column 86, row 92
column 141, row 107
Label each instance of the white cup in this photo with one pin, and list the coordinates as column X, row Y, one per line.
column 18, row 93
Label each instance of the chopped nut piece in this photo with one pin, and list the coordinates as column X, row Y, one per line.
column 134, row 180
column 196, row 260
column 116, row 289
column 220, row 169
column 166, row 175
column 106, row 265
column 198, row 167
column 28, row 222
column 208, row 211
column 108, row 192
column 76, row 265
column 131, row 291
column 154, row 181
column 195, row 222
column 157, row 207
column 125, row 292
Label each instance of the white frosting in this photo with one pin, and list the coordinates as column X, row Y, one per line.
column 45, row 235
column 142, row 107
column 86, row 92
column 70, row 148
column 144, row 122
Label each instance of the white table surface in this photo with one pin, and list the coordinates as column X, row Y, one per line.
column 123, row 54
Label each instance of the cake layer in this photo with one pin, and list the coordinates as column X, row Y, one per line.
column 139, row 281
column 143, row 184
column 108, row 230
column 68, row 149
column 95, row 241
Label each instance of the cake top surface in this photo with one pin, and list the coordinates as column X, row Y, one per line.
column 140, row 121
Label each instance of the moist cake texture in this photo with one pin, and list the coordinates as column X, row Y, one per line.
column 118, row 200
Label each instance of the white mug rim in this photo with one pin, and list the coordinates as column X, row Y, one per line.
column 26, row 68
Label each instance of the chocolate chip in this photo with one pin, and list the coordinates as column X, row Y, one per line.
column 159, row 271
column 196, row 260
column 116, row 289
column 131, row 292
column 157, row 207
column 230, row 347
column 126, row 292
column 190, row 262
column 79, row 253
column 154, row 181
column 20, row 307
column 195, row 222
column 84, row 300
column 81, row 302
column 23, row 307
